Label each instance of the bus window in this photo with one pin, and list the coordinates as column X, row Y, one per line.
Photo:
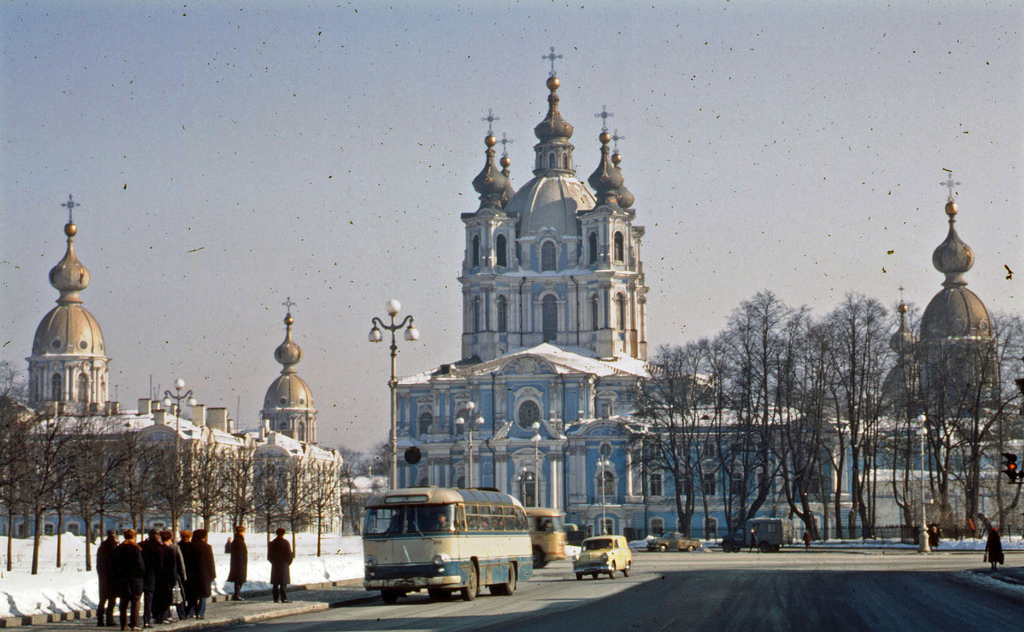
column 427, row 519
column 383, row 521
column 460, row 518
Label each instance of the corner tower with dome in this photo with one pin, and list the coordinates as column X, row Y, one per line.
column 554, row 338
column 67, row 370
column 288, row 405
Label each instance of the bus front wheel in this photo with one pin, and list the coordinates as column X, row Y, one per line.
column 472, row 584
column 390, row 596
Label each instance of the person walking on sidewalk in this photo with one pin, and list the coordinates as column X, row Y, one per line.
column 172, row 575
column 153, row 561
column 239, row 562
column 106, row 569
column 994, row 548
column 205, row 572
column 279, row 552
column 130, row 573
column 190, row 557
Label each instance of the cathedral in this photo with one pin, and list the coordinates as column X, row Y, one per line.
column 554, row 339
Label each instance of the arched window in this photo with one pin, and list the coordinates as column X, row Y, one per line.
column 592, row 248
column 501, row 248
column 708, row 487
column 606, row 485
column 657, row 526
column 595, row 313
column 83, row 388
column 547, row 256
column 565, row 161
column 620, row 312
column 529, row 413
column 300, row 432
column 424, row 423
column 528, row 489
column 502, row 307
column 476, row 251
column 549, row 318
column 476, row 315
column 56, row 392
column 657, row 489
column 552, row 161
column 620, row 247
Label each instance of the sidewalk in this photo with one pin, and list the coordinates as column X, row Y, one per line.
column 220, row 611
column 1007, row 574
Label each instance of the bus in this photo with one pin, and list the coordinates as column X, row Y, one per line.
column 547, row 535
column 445, row 540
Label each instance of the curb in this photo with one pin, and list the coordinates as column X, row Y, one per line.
column 198, row 624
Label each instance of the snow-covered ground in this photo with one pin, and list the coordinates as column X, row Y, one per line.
column 71, row 587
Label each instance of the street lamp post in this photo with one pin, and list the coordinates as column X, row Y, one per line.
column 922, row 542
column 177, row 396
column 536, row 463
column 411, row 334
column 469, row 423
column 602, row 465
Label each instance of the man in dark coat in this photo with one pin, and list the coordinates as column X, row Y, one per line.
column 239, row 562
column 190, row 557
column 172, row 573
column 106, row 568
column 130, row 573
column 279, row 552
column 994, row 548
column 153, row 560
column 203, row 573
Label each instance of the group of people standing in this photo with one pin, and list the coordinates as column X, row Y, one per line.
column 157, row 574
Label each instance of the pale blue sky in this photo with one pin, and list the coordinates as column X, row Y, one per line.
column 228, row 155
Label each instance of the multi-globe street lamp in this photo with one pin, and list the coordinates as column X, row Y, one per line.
column 922, row 543
column 603, row 465
column 469, row 422
column 177, row 396
column 411, row 334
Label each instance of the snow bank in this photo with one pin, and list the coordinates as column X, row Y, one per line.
column 71, row 587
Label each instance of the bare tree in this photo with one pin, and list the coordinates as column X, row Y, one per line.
column 239, row 472
column 15, row 422
column 134, row 483
column 323, row 495
column 210, row 479
column 296, row 507
column 95, row 464
column 270, row 491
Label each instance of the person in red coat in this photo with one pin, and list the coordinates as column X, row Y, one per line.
column 239, row 562
column 279, row 552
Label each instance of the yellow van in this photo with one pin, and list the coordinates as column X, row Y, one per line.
column 547, row 534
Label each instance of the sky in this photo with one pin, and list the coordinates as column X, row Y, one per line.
column 228, row 156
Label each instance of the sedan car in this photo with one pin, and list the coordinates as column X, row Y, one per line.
column 603, row 554
column 674, row 541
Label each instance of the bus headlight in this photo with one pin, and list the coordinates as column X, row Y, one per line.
column 371, row 563
column 604, row 557
column 440, row 560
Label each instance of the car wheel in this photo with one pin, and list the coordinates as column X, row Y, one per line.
column 726, row 547
column 472, row 585
column 691, row 548
column 625, row 571
column 390, row 596
column 611, row 573
column 764, row 547
column 662, row 547
column 505, row 589
column 579, row 577
column 593, row 576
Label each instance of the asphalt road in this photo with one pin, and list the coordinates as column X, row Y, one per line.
column 789, row 591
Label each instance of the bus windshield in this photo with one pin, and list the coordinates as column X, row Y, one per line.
column 410, row 520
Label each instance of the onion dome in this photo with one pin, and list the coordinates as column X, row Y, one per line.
column 69, row 276
column 955, row 311
column 606, row 179
column 288, row 391
column 626, row 198
column 506, row 196
column 903, row 340
column 490, row 183
column 553, row 126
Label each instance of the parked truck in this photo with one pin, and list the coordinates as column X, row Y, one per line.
column 767, row 534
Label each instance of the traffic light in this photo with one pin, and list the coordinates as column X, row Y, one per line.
column 1010, row 466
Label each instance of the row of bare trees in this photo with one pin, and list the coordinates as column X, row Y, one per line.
column 56, row 467
column 772, row 407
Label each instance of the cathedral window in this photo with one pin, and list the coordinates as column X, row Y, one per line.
column 424, row 424
column 300, row 432
column 606, row 484
column 56, row 392
column 549, row 318
column 620, row 247
column 595, row 313
column 476, row 315
column 502, row 308
column 592, row 248
column 565, row 161
column 552, row 161
column 657, row 487
column 529, row 414
column 476, row 251
column 547, row 256
column 501, row 250
column 83, row 388
column 620, row 312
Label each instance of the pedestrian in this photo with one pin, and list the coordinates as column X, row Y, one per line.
column 130, row 574
column 994, row 548
column 202, row 574
column 807, row 540
column 153, row 561
column 190, row 557
column 239, row 562
column 753, row 540
column 933, row 536
column 106, row 569
column 172, row 574
column 227, row 546
column 279, row 552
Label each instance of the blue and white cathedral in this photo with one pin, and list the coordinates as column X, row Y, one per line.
column 554, row 340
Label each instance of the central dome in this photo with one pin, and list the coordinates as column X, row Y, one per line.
column 955, row 312
column 288, row 392
column 550, row 202
column 68, row 329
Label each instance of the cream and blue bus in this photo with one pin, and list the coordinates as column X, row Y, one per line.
column 445, row 540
